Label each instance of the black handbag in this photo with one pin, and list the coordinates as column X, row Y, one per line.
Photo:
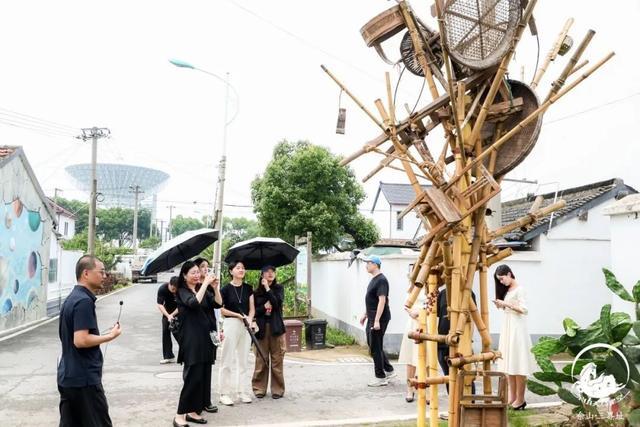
column 175, row 326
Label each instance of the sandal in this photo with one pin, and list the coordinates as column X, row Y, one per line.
column 410, row 396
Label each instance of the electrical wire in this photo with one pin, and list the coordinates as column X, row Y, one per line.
column 596, row 107
column 49, row 123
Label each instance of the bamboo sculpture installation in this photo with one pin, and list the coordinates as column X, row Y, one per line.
column 490, row 124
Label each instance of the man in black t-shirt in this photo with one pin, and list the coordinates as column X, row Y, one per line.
column 82, row 398
column 377, row 316
column 169, row 308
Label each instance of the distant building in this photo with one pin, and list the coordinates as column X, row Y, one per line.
column 389, row 202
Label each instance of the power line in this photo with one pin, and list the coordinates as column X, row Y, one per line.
column 42, row 130
column 50, row 123
column 596, row 107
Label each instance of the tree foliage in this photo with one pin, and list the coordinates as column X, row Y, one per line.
column 180, row 224
column 109, row 255
column 117, row 224
column 79, row 209
column 304, row 188
column 235, row 230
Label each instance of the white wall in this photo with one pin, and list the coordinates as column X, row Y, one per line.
column 385, row 216
column 563, row 277
column 338, row 293
column 625, row 236
column 59, row 290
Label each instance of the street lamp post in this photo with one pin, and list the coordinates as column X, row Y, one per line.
column 217, row 216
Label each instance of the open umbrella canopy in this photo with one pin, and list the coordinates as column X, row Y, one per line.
column 179, row 249
column 260, row 251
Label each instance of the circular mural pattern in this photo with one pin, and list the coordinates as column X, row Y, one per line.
column 16, row 286
column 17, row 207
column 6, row 306
column 34, row 220
column 8, row 220
column 32, row 265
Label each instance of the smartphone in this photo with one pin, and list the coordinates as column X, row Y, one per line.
column 209, row 271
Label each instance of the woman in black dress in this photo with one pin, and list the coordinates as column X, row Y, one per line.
column 269, row 298
column 213, row 302
column 196, row 348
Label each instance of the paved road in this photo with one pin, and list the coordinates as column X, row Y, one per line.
column 141, row 392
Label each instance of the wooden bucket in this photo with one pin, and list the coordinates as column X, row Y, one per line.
column 383, row 26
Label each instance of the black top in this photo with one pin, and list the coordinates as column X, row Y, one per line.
column 195, row 324
column 378, row 286
column 167, row 298
column 236, row 298
column 275, row 295
column 79, row 367
column 443, row 318
column 210, row 304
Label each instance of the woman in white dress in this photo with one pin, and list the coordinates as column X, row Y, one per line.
column 515, row 343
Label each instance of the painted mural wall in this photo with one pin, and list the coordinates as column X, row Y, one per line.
column 25, row 233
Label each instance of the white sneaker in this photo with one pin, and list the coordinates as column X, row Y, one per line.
column 378, row 382
column 245, row 398
column 165, row 361
column 226, row 400
column 390, row 375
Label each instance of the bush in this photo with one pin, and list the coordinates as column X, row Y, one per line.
column 338, row 337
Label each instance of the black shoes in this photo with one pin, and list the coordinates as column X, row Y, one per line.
column 211, row 408
column 276, row 396
column 520, row 408
column 175, row 424
column 196, row 420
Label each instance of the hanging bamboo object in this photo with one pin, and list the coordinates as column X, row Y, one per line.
column 490, row 125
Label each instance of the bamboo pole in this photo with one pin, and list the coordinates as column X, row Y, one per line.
column 559, row 82
column 453, row 317
column 505, row 253
column 422, row 371
column 577, row 67
column 531, row 117
column 484, row 312
column 528, row 219
column 416, row 266
column 502, row 69
column 465, row 360
column 451, row 339
column 553, row 53
column 353, row 97
column 432, row 353
column 430, row 381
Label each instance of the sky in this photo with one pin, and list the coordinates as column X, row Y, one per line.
column 89, row 63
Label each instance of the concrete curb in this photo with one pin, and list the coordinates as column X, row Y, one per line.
column 14, row 332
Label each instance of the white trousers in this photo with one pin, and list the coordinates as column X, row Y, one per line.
column 235, row 355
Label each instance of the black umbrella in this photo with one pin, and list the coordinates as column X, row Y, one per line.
column 260, row 251
column 179, row 249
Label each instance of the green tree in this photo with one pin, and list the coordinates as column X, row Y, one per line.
column 79, row 209
column 304, row 188
column 108, row 254
column 152, row 242
column 235, row 230
column 180, row 224
column 117, row 224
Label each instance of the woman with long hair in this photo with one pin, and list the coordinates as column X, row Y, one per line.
column 211, row 303
column 269, row 298
column 196, row 348
column 237, row 306
column 515, row 343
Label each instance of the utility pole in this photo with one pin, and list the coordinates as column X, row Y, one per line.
column 135, row 189
column 169, row 235
column 93, row 133
column 161, row 230
column 55, row 193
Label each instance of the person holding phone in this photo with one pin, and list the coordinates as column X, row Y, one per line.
column 377, row 317
column 196, row 348
column 515, row 342
column 269, row 299
column 82, row 398
column 238, row 304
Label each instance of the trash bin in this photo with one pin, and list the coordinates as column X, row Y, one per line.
column 315, row 332
column 293, row 332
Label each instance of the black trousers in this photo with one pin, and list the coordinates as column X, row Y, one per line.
column 443, row 352
column 167, row 344
column 375, row 340
column 84, row 407
column 196, row 388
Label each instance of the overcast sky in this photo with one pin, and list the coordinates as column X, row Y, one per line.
column 86, row 63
